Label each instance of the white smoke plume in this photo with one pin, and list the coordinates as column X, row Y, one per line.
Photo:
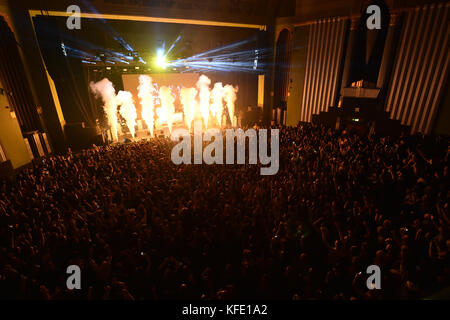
column 230, row 99
column 204, row 95
column 217, row 94
column 146, row 91
column 167, row 108
column 198, row 103
column 127, row 110
column 189, row 103
column 105, row 90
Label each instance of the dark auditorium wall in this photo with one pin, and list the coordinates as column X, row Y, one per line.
column 41, row 86
column 308, row 10
column 421, row 67
column 11, row 140
column 323, row 66
column 12, row 76
column 315, row 9
column 297, row 75
column 413, row 64
column 442, row 122
column 66, row 72
column 283, row 54
column 248, row 11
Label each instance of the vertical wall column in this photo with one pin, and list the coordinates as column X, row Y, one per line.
column 387, row 60
column 298, row 71
column 350, row 52
column 268, row 62
column 282, row 73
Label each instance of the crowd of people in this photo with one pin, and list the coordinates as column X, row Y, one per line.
column 141, row 227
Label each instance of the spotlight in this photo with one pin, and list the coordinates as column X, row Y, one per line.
column 137, row 68
column 161, row 60
column 108, row 68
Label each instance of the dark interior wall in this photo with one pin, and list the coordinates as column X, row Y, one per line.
column 370, row 44
column 298, row 69
column 34, row 67
column 442, row 124
column 282, row 67
column 414, row 69
column 420, row 67
column 246, row 11
column 315, row 9
column 269, row 75
column 15, row 84
column 325, row 56
column 66, row 72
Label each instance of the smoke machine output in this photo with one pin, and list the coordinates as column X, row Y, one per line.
column 212, row 106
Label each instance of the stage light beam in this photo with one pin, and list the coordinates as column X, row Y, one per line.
column 161, row 59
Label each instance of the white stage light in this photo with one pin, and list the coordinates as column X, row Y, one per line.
column 161, row 60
